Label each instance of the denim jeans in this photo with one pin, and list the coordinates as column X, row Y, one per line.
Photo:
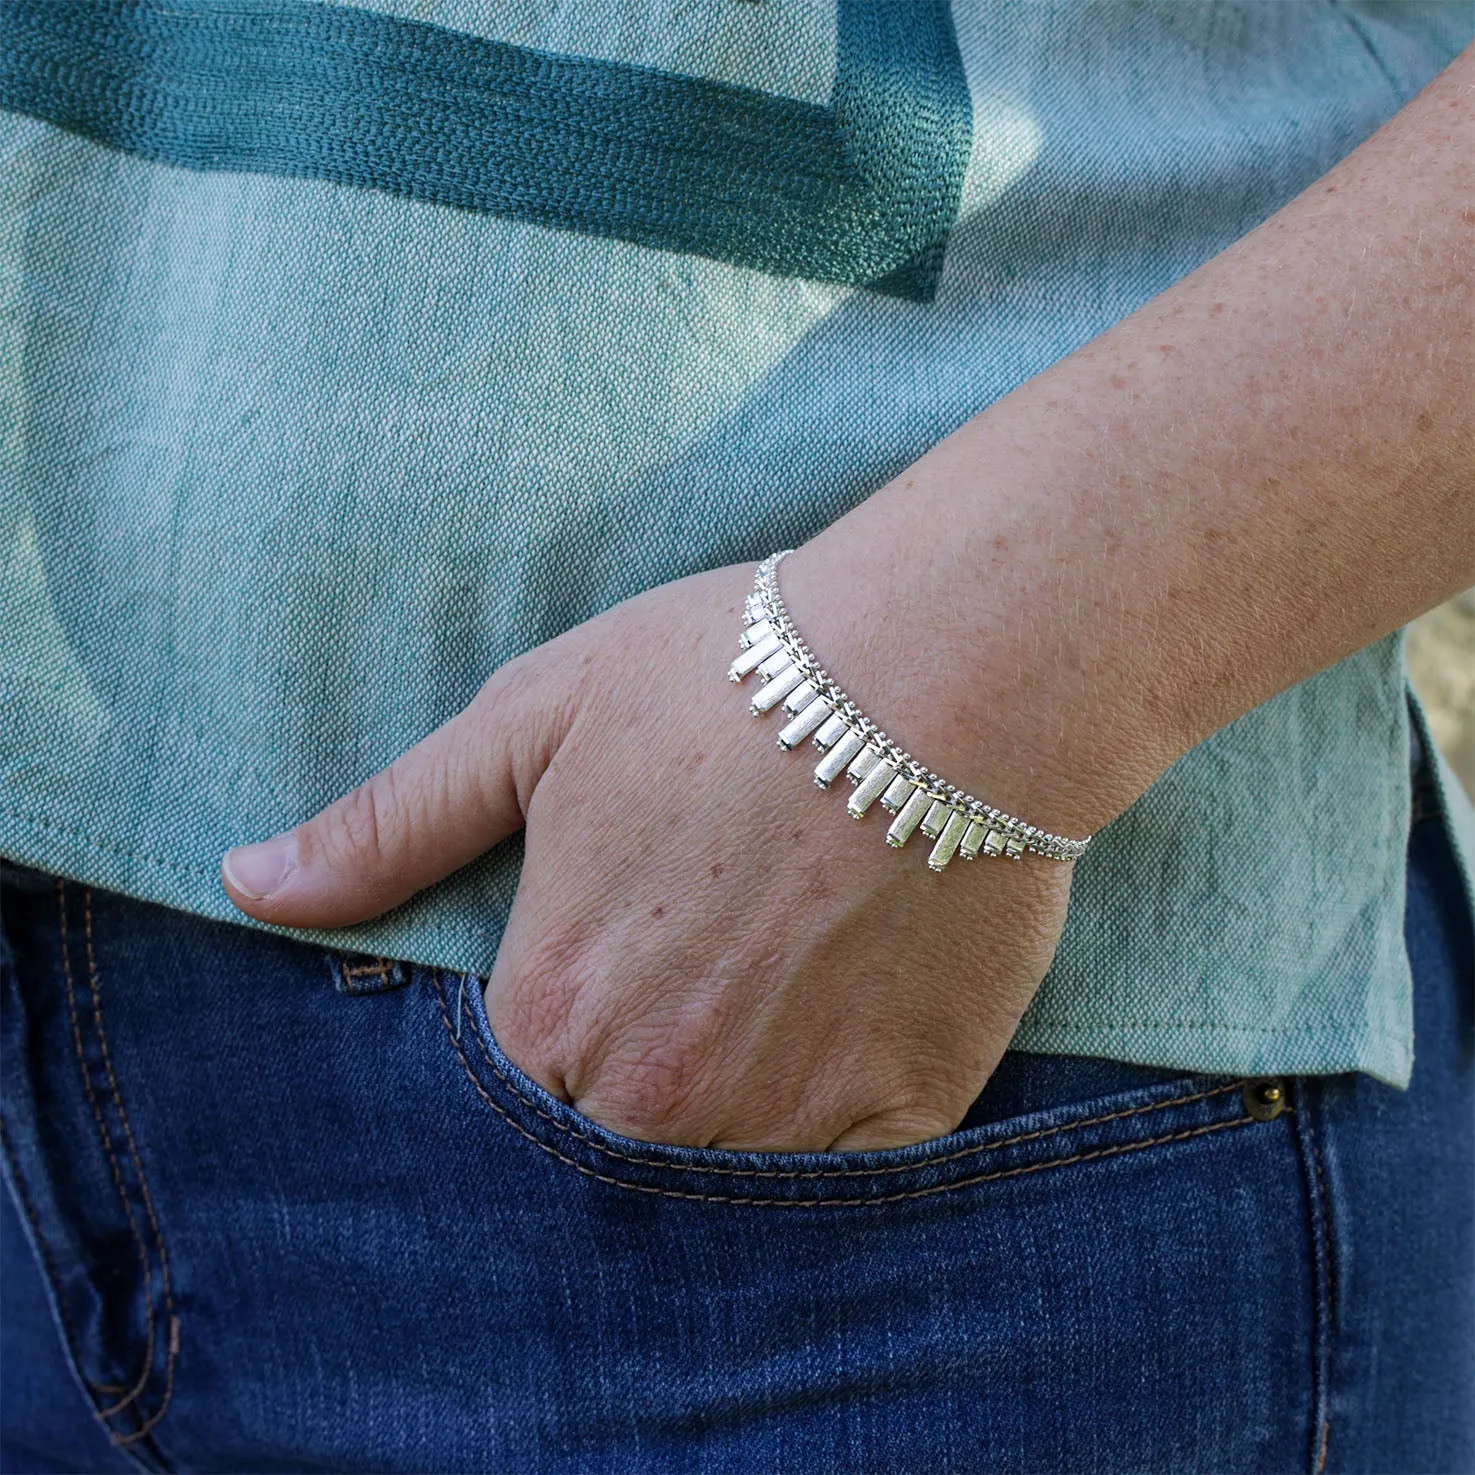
column 273, row 1207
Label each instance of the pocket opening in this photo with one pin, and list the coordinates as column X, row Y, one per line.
column 1066, row 1133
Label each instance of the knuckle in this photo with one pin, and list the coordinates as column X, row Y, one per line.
column 511, row 683
column 526, row 711
column 652, row 1090
column 358, row 827
column 926, row 1105
column 530, row 1011
column 921, row 1123
column 532, row 1023
column 899, row 1125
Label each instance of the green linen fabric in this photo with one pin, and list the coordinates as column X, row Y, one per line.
column 347, row 352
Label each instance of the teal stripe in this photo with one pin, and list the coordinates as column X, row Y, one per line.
column 863, row 191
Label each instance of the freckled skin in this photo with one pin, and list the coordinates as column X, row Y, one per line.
column 1059, row 643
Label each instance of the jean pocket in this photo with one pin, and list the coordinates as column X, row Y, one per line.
column 1061, row 1114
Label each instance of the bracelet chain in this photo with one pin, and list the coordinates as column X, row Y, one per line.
column 1053, row 847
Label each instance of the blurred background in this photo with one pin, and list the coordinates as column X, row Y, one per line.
column 1441, row 663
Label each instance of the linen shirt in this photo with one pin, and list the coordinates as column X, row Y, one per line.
column 350, row 351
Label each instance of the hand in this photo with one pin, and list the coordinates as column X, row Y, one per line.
column 704, row 948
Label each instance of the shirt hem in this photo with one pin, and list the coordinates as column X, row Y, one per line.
column 93, row 859
column 1180, row 1046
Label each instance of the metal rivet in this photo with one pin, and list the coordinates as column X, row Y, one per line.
column 1265, row 1100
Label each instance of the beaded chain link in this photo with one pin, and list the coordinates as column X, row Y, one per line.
column 852, row 743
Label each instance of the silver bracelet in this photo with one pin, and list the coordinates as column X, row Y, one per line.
column 854, row 745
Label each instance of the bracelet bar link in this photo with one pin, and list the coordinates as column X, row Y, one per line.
column 852, row 744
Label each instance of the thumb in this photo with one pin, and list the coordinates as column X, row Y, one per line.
column 436, row 807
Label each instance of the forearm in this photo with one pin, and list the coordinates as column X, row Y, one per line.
column 1264, row 469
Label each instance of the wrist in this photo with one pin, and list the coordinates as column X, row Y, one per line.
column 1003, row 702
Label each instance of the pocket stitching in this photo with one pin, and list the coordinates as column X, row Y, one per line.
column 823, row 1172
column 930, row 1162
column 148, row 1355
column 172, row 1347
